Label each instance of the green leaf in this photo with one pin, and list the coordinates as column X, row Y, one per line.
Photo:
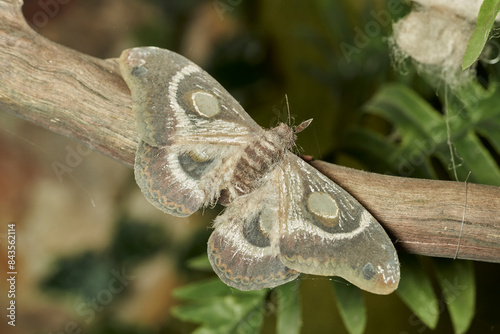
column 486, row 17
column 416, row 123
column 372, row 147
column 458, row 286
column 199, row 263
column 289, row 314
column 422, row 135
column 351, row 305
column 220, row 309
column 203, row 290
column 416, row 291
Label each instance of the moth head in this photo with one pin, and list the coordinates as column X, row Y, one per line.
column 284, row 135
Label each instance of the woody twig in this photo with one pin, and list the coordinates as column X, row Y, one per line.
column 86, row 99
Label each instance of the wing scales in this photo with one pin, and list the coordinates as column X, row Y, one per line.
column 243, row 248
column 337, row 237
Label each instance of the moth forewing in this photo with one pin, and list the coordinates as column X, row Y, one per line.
column 327, row 232
column 191, row 125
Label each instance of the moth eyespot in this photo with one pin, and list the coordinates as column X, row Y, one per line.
column 205, row 104
column 253, row 233
column 199, row 156
column 323, row 206
column 368, row 271
column 138, row 71
column 195, row 164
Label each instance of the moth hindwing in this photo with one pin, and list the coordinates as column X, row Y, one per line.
column 283, row 217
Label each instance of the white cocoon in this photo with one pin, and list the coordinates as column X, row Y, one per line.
column 433, row 37
column 436, row 39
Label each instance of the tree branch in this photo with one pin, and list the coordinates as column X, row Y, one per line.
column 428, row 216
column 63, row 90
column 86, row 99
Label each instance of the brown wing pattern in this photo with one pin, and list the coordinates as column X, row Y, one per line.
column 191, row 129
column 327, row 232
column 243, row 248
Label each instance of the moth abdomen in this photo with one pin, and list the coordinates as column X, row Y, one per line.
column 260, row 157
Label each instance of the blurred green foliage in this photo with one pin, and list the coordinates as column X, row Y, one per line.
column 87, row 273
column 367, row 114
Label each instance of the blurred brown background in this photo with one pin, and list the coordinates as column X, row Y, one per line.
column 81, row 221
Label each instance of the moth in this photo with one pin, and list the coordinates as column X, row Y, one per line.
column 283, row 217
